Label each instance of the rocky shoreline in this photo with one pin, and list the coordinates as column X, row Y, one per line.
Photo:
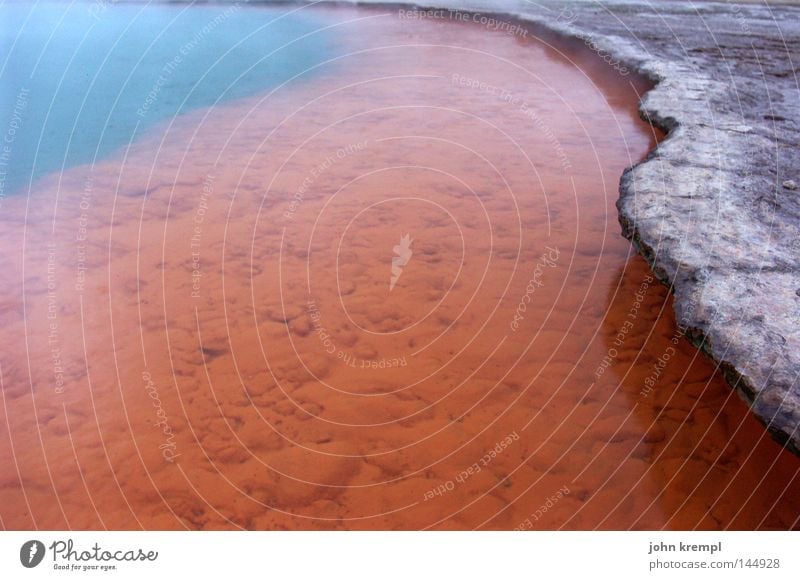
column 715, row 209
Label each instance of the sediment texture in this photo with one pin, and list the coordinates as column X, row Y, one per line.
column 715, row 209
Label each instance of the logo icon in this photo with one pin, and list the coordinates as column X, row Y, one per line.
column 404, row 253
column 31, row 553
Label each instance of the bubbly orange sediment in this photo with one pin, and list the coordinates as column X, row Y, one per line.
column 391, row 296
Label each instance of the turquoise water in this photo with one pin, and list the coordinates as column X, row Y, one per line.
column 80, row 80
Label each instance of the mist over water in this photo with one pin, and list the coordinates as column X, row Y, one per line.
column 390, row 296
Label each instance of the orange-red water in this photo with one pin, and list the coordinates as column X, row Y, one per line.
column 226, row 349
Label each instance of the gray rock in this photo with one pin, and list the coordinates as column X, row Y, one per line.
column 706, row 209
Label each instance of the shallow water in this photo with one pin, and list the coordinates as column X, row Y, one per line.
column 229, row 329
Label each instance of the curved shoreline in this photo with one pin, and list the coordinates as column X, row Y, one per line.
column 206, row 313
column 714, row 209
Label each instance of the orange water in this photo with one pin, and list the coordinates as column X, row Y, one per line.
column 226, row 347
